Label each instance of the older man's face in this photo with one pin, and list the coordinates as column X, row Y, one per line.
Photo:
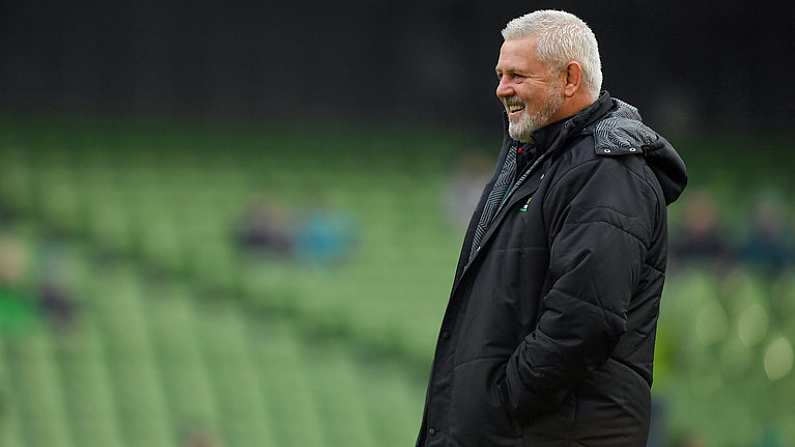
column 530, row 93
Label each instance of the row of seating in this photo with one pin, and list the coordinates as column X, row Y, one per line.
column 168, row 214
column 149, row 363
column 182, row 222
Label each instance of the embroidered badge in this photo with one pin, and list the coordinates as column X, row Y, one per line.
column 524, row 208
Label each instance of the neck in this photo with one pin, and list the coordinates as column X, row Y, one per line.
column 572, row 106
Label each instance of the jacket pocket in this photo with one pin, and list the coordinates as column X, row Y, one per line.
column 506, row 404
column 555, row 426
column 479, row 415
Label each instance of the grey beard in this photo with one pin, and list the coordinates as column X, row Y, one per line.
column 523, row 129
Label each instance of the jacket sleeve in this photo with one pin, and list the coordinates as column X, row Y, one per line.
column 600, row 217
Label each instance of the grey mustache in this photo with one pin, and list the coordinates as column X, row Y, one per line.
column 513, row 102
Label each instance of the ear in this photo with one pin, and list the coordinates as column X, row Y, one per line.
column 573, row 79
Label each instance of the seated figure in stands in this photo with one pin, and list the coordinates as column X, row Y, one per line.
column 769, row 241
column 700, row 238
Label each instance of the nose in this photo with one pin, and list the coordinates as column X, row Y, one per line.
column 504, row 88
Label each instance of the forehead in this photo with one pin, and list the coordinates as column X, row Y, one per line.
column 518, row 54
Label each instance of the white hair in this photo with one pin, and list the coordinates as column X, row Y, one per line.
column 562, row 38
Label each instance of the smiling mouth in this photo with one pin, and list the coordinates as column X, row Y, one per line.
column 514, row 108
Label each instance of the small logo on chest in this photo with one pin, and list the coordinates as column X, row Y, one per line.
column 523, row 209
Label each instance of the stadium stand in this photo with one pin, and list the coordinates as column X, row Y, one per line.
column 178, row 334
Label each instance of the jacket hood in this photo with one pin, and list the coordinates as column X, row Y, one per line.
column 622, row 132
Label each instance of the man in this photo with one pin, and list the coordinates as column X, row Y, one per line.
column 548, row 336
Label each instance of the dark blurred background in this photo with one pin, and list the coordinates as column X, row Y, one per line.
column 688, row 65
column 236, row 224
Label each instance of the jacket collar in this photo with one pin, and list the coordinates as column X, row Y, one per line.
column 545, row 136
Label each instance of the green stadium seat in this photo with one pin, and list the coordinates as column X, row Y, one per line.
column 37, row 391
column 88, row 394
column 233, row 376
column 185, row 377
column 342, row 408
column 277, row 354
column 10, row 424
column 174, row 337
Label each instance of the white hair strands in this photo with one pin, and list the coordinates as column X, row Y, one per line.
column 562, row 37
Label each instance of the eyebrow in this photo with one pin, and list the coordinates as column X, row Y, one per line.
column 518, row 71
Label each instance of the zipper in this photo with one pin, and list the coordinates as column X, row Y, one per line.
column 500, row 215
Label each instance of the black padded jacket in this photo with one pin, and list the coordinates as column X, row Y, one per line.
column 548, row 336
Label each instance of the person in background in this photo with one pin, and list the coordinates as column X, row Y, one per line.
column 264, row 229
column 18, row 311
column 465, row 187
column 324, row 235
column 700, row 239
column 199, row 438
column 57, row 304
column 768, row 243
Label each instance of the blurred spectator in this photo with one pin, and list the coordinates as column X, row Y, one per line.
column 326, row 236
column 771, row 437
column 13, row 261
column 17, row 308
column 198, row 438
column 57, row 304
column 465, row 187
column 264, row 229
column 768, row 243
column 21, row 304
column 55, row 300
column 700, row 239
column 658, row 428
